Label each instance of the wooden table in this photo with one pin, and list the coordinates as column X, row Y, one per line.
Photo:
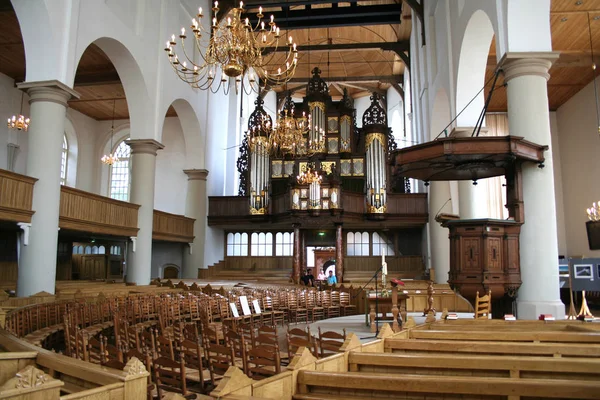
column 396, row 304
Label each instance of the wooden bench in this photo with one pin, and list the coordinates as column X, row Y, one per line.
column 328, row 385
column 476, row 365
column 517, row 336
column 488, row 347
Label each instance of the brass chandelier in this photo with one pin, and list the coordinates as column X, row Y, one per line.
column 111, row 158
column 287, row 136
column 234, row 49
column 19, row 122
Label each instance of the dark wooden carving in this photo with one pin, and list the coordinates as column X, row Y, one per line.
column 484, row 255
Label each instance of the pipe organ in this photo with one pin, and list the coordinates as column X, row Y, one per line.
column 259, row 125
column 330, row 155
column 376, row 132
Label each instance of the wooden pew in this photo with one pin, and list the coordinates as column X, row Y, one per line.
column 476, row 365
column 394, row 345
column 356, row 385
column 516, row 336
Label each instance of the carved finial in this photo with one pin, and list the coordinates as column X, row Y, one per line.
column 28, row 377
column 134, row 367
column 386, row 331
column 410, row 323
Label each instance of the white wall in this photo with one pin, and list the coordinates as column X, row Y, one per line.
column 166, row 253
column 10, row 104
column 171, row 182
column 579, row 144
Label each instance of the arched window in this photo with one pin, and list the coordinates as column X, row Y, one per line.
column 382, row 241
column 261, row 244
column 237, row 244
column 357, row 244
column 119, row 173
column 101, row 250
column 63, row 161
column 284, row 244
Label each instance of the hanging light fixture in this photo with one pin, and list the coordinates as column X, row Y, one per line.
column 234, row 49
column 19, row 122
column 287, row 136
column 111, row 158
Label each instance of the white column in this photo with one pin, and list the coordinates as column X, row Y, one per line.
column 439, row 194
column 528, row 116
column 472, row 200
column 37, row 265
column 195, row 207
column 143, row 172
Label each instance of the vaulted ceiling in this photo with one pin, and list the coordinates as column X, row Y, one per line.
column 359, row 46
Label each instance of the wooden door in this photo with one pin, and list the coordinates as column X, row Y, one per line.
column 93, row 266
column 114, row 267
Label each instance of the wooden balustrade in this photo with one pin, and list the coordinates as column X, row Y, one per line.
column 16, row 196
column 89, row 212
column 172, row 227
column 407, row 203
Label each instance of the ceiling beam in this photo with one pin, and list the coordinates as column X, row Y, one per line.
column 356, row 79
column 110, row 77
column 354, row 15
column 254, row 4
column 401, row 48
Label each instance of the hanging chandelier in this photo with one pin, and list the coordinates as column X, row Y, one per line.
column 234, row 49
column 111, row 158
column 287, row 136
column 19, row 122
column 309, row 176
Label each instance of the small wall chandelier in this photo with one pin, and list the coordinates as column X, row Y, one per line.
column 234, row 49
column 593, row 213
column 111, row 158
column 19, row 122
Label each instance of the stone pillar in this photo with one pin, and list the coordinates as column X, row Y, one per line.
column 439, row 246
column 195, row 207
column 143, row 173
column 526, row 75
column 339, row 253
column 472, row 199
column 37, row 264
column 297, row 250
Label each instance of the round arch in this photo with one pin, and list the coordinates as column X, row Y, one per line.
column 192, row 132
column 134, row 85
column 73, row 152
column 472, row 64
column 169, row 271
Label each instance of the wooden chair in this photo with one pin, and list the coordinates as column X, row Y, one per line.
column 277, row 315
column 169, row 376
column 263, row 361
column 483, row 306
column 237, row 343
column 164, row 346
column 330, row 342
column 192, row 355
column 219, row 359
column 296, row 310
column 347, row 308
column 299, row 338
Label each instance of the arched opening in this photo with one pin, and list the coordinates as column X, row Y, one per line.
column 170, row 271
column 472, row 66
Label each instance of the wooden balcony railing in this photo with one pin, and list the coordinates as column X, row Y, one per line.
column 16, row 196
column 228, row 206
column 89, row 212
column 172, row 227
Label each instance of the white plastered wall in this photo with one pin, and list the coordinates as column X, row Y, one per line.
column 579, row 144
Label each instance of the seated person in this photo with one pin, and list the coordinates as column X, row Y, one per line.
column 331, row 279
column 308, row 278
column 321, row 276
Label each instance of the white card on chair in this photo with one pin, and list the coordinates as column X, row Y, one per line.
column 256, row 306
column 234, row 310
column 245, row 305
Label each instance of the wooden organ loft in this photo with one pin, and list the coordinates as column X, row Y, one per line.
column 331, row 186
